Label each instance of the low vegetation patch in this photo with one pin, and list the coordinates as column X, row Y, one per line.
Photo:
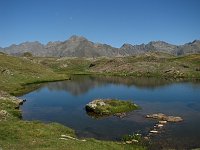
column 104, row 107
column 134, row 138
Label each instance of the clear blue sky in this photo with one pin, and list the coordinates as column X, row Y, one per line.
column 106, row 21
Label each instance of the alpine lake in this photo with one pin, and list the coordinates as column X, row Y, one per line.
column 64, row 102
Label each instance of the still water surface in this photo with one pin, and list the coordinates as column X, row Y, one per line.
column 64, row 102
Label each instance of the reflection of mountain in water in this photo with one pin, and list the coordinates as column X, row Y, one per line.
column 81, row 84
column 76, row 86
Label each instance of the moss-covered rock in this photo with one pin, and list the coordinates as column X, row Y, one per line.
column 105, row 107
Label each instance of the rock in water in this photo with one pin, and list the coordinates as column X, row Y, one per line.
column 163, row 117
column 174, row 119
column 162, row 122
column 105, row 107
column 160, row 125
column 120, row 115
column 153, row 131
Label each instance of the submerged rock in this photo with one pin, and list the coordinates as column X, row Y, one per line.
column 153, row 131
column 160, row 125
column 120, row 115
column 162, row 122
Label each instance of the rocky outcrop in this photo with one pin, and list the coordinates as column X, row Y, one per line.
column 9, row 106
column 6, row 96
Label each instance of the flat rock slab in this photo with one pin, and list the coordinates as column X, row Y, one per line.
column 164, row 118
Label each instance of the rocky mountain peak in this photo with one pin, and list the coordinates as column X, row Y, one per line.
column 196, row 42
column 126, row 45
column 51, row 44
column 75, row 38
column 158, row 43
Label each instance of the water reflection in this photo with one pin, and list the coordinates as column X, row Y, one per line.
column 82, row 84
column 64, row 102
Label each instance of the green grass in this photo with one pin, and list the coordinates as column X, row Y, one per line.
column 112, row 106
column 67, row 65
column 24, row 135
column 16, row 72
column 129, row 137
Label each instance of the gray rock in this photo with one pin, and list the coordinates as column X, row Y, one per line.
column 161, row 116
column 3, row 114
column 120, row 115
column 96, row 103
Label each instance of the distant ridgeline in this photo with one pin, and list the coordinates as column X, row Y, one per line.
column 78, row 46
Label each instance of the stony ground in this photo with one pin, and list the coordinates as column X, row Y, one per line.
column 146, row 65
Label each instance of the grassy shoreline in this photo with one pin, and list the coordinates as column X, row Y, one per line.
column 18, row 134
column 21, row 75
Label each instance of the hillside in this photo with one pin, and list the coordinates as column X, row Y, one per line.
column 151, row 64
column 16, row 72
column 78, row 46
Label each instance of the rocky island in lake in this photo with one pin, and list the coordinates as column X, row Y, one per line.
column 106, row 107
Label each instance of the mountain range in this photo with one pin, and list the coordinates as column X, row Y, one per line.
column 78, row 46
